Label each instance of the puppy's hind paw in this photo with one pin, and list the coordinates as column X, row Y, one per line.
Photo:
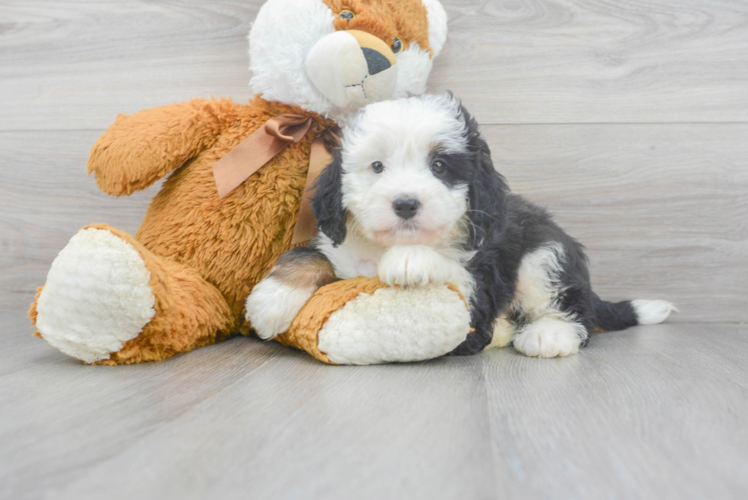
column 549, row 338
column 273, row 305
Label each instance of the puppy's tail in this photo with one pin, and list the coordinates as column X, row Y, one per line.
column 620, row 315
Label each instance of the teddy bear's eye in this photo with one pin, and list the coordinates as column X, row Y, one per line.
column 347, row 15
column 396, row 46
column 377, row 167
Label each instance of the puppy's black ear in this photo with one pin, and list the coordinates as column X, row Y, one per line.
column 327, row 200
column 488, row 188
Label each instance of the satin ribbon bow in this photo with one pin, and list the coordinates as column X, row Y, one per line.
column 262, row 146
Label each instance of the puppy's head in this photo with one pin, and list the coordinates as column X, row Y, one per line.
column 411, row 171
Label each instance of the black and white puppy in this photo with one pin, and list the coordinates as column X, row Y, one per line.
column 413, row 198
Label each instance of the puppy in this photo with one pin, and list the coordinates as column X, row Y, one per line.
column 413, row 198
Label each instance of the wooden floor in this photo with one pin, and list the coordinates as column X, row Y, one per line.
column 657, row 412
column 627, row 118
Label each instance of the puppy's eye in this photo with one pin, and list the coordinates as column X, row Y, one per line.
column 438, row 167
column 347, row 15
column 396, row 46
column 377, row 167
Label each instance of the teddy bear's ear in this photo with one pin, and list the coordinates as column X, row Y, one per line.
column 327, row 200
column 437, row 25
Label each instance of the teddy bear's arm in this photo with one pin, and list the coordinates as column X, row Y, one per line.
column 139, row 149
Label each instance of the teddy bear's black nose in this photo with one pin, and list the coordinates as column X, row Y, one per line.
column 406, row 208
column 375, row 61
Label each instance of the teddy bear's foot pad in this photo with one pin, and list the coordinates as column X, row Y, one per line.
column 396, row 325
column 96, row 298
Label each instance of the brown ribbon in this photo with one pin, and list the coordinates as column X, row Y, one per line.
column 261, row 147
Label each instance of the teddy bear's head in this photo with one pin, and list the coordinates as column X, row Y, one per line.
column 333, row 57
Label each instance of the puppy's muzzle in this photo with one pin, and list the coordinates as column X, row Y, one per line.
column 406, row 208
column 352, row 68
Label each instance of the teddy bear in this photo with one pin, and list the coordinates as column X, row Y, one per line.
column 233, row 202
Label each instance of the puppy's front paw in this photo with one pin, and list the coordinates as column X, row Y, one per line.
column 415, row 265
column 273, row 305
column 549, row 337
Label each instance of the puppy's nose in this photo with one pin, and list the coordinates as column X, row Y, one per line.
column 406, row 207
column 376, row 61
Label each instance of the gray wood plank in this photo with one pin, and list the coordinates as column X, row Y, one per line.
column 661, row 208
column 585, row 61
column 242, row 419
column 653, row 412
column 76, row 65
column 517, row 61
column 650, row 413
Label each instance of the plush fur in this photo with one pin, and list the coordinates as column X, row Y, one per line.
column 413, row 197
column 96, row 258
column 363, row 321
column 379, row 327
column 202, row 255
column 420, row 27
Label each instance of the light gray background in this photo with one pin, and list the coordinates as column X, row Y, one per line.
column 628, row 119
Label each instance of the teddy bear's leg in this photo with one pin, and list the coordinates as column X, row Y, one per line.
column 110, row 300
column 361, row 321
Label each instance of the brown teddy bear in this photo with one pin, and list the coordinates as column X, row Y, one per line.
column 221, row 220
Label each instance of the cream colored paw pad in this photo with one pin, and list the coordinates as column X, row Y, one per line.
column 96, row 297
column 396, row 325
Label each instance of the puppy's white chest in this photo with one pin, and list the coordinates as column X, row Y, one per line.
column 366, row 267
column 349, row 265
column 352, row 258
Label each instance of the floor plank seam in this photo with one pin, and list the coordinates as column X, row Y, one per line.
column 491, row 431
